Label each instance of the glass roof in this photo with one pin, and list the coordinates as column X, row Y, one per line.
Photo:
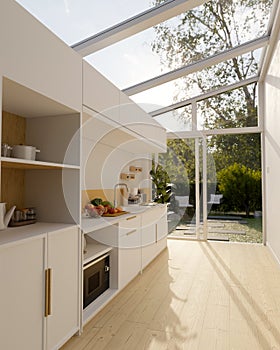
column 189, row 38
column 178, row 120
column 73, row 20
column 190, row 86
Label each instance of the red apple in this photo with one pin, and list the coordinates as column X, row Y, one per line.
column 111, row 211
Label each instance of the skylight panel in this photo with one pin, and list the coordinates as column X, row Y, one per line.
column 74, row 21
column 220, row 75
column 207, row 30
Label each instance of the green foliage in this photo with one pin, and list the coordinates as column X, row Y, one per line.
column 162, row 184
column 204, row 31
column 179, row 161
column 228, row 149
column 241, row 188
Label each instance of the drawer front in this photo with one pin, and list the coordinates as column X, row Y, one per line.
column 130, row 238
column 132, row 221
column 153, row 215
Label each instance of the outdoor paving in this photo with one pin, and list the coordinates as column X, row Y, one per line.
column 227, row 230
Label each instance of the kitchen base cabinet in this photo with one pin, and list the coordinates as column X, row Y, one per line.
column 153, row 233
column 129, row 264
column 63, row 258
column 21, row 295
column 39, row 294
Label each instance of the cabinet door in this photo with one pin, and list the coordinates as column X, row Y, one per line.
column 154, row 232
column 63, row 260
column 21, row 295
column 99, row 93
column 161, row 228
column 129, row 250
column 49, row 67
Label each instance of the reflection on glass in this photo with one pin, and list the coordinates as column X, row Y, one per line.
column 178, row 120
column 179, row 163
column 234, row 109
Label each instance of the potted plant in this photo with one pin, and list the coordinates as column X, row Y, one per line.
column 163, row 187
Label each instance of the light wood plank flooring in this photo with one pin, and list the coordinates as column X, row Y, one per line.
column 194, row 296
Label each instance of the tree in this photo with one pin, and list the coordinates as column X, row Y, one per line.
column 179, row 160
column 241, row 188
column 207, row 30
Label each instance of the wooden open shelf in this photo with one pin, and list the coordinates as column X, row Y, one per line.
column 24, row 164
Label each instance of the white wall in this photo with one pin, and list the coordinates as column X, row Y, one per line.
column 105, row 164
column 272, row 153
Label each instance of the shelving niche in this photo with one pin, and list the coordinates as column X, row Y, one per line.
column 51, row 183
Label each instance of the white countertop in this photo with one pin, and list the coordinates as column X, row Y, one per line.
column 13, row 235
column 92, row 224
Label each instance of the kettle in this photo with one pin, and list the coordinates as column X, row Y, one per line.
column 5, row 217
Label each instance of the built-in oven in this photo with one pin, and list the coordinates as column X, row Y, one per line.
column 96, row 278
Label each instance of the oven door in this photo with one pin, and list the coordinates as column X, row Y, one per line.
column 96, row 278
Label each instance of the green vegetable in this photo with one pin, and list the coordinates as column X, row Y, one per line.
column 96, row 201
column 107, row 203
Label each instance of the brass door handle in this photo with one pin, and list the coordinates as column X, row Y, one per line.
column 48, row 291
column 131, row 217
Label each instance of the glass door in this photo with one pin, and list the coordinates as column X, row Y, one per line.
column 234, row 191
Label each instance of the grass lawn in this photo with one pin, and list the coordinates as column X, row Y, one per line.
column 247, row 229
column 251, row 226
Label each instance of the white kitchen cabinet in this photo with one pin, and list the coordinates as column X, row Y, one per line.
column 137, row 120
column 21, row 295
column 63, row 262
column 99, row 93
column 37, row 314
column 153, row 233
column 35, row 57
column 50, row 183
column 129, row 249
column 162, row 226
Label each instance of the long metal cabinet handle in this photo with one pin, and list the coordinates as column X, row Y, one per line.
column 48, row 290
column 131, row 217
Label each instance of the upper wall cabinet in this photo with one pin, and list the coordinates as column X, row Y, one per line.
column 101, row 96
column 135, row 118
column 99, row 93
column 36, row 58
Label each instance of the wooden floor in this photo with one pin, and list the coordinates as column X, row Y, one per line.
column 194, row 296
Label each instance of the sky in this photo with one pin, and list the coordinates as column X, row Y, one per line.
column 74, row 20
column 125, row 63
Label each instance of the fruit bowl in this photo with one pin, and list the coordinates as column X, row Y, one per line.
column 94, row 211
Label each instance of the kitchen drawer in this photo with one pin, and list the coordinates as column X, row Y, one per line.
column 132, row 221
column 130, row 238
column 153, row 215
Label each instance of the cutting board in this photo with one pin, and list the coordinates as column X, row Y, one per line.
column 116, row 214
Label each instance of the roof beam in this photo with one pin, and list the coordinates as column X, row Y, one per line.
column 273, row 30
column 197, row 66
column 204, row 96
column 135, row 24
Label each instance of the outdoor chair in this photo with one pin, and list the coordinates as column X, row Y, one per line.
column 215, row 199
